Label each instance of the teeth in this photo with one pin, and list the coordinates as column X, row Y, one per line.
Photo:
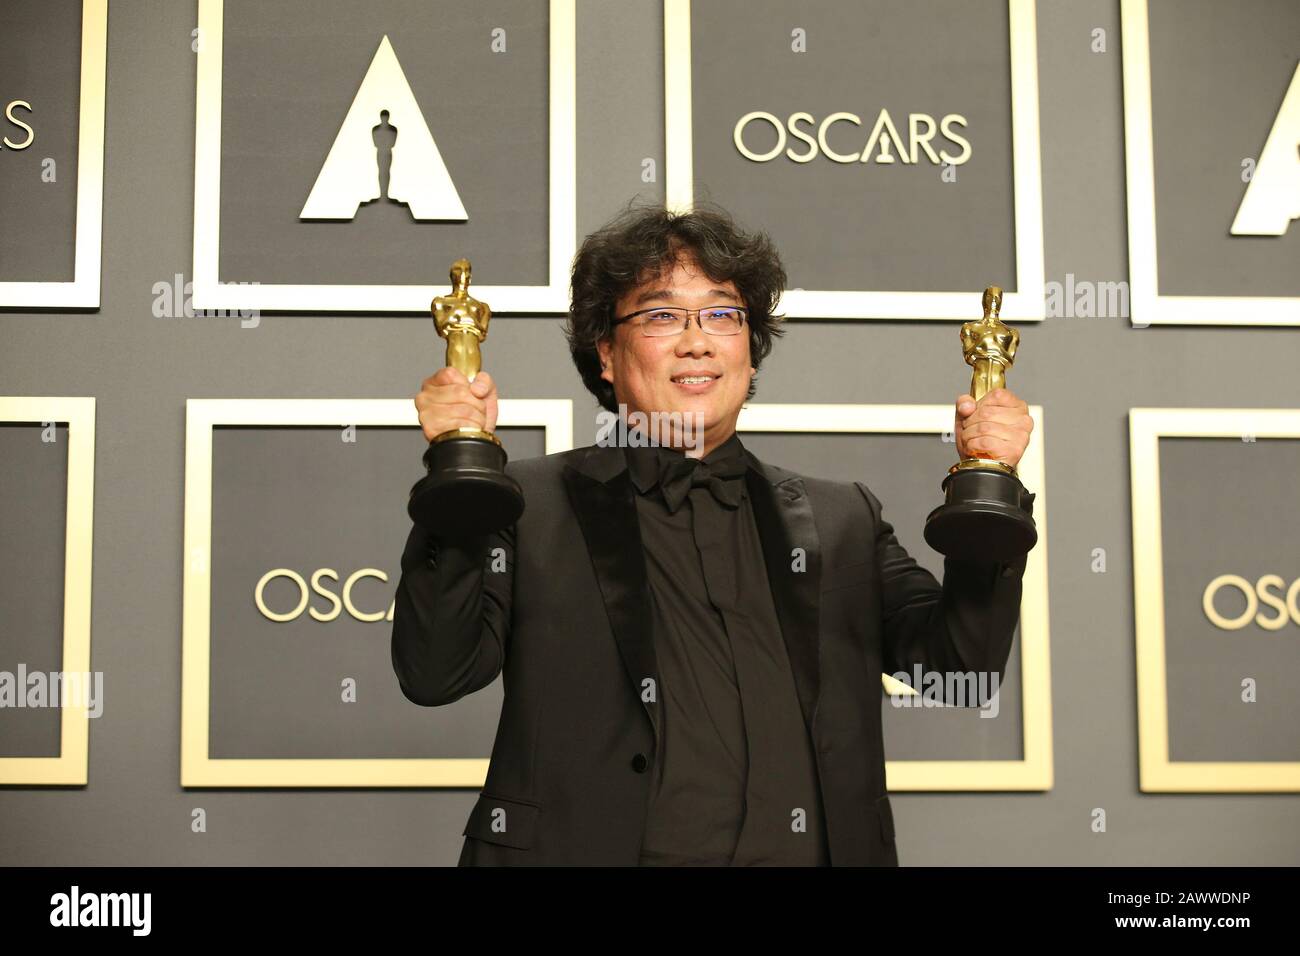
column 695, row 379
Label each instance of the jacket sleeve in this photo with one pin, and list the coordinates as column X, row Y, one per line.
column 451, row 620
column 964, row 625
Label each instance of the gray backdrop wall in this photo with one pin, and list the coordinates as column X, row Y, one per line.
column 1086, row 373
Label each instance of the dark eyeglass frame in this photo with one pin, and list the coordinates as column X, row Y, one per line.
column 689, row 314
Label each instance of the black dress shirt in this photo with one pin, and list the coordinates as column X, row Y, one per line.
column 735, row 782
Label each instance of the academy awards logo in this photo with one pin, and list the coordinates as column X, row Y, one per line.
column 384, row 151
column 883, row 146
column 1284, row 600
column 1272, row 199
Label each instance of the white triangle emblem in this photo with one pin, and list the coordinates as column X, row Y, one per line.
column 1272, row 199
column 365, row 142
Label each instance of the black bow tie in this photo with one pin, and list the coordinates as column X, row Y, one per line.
column 678, row 474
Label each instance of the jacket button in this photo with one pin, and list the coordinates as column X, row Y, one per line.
column 639, row 763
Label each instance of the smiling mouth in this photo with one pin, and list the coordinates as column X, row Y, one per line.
column 704, row 379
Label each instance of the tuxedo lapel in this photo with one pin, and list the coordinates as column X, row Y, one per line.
column 601, row 493
column 602, row 496
column 784, row 516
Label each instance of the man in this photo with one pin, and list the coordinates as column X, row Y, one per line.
column 691, row 639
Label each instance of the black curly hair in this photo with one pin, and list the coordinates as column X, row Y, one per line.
column 639, row 244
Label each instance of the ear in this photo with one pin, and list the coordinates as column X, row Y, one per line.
column 605, row 349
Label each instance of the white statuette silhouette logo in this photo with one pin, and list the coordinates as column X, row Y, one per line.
column 384, row 150
column 1272, row 199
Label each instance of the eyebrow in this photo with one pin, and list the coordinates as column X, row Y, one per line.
column 645, row 297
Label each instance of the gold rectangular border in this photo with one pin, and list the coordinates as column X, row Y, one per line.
column 1147, row 305
column 83, row 291
column 1035, row 771
column 71, row 767
column 201, row 416
column 1158, row 773
column 211, row 293
column 1027, row 304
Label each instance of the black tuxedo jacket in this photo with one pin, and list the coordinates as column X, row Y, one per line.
column 563, row 610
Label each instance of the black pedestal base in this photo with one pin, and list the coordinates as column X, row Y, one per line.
column 986, row 515
column 466, row 492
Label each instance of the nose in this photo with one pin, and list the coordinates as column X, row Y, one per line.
column 694, row 341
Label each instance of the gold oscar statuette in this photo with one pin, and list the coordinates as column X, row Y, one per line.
column 987, row 514
column 466, row 491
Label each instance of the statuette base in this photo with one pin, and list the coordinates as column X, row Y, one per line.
column 466, row 492
column 987, row 515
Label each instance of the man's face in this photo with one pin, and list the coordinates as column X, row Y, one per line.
column 647, row 371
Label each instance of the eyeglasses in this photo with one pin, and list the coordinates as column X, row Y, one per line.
column 719, row 320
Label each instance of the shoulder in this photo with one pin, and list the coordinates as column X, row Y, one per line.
column 849, row 495
column 596, row 460
column 542, row 466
